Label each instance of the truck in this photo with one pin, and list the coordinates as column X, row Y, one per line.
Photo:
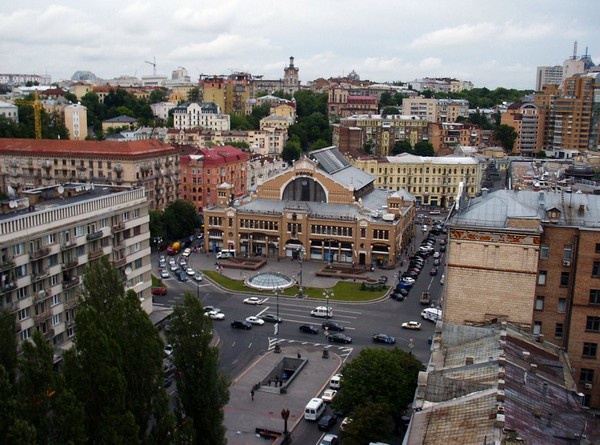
column 431, row 314
column 174, row 248
column 425, row 298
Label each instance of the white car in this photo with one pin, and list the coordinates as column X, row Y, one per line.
column 214, row 315
column 253, row 300
column 411, row 325
column 328, row 395
column 191, row 272
column 172, row 261
column 164, row 274
column 409, row 280
column 199, row 276
column 173, row 267
column 329, row 439
column 255, row 320
column 437, row 254
column 168, row 350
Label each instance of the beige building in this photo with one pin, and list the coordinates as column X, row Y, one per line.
column 49, row 235
column 27, row 164
column 432, row 181
column 435, row 110
column 320, row 209
column 76, row 121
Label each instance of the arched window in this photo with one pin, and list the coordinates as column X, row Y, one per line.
column 304, row 189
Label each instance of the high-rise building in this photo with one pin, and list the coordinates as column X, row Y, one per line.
column 525, row 119
column 548, row 75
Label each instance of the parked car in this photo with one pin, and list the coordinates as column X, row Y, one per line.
column 329, row 439
column 436, row 262
column 159, row 291
column 271, row 318
column 164, row 274
column 436, row 255
column 308, row 329
column 253, row 300
column 345, row 423
column 328, row 395
column 255, row 320
column 383, row 279
column 181, row 276
column 408, row 279
column 191, row 272
column 168, row 350
column 215, row 315
column 241, row 324
column 384, row 338
column 211, row 308
column 397, row 296
column 199, row 276
column 338, row 337
column 173, row 267
column 332, row 326
column 327, row 421
column 411, row 325
column 442, row 248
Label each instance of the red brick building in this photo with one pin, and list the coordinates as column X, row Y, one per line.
column 207, row 168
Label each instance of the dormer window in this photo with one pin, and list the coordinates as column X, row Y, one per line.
column 553, row 215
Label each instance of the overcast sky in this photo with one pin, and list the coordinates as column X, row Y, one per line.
column 491, row 43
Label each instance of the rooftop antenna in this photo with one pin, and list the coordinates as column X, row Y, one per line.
column 574, row 51
column 153, row 64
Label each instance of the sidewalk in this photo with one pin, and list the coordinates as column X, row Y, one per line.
column 243, row 415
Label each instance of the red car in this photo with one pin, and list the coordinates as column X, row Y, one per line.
column 159, row 291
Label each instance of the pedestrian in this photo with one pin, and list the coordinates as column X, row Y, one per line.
column 276, row 380
column 299, row 356
column 269, row 382
column 252, row 394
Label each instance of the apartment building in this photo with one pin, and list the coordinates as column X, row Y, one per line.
column 76, row 121
column 535, row 257
column 343, row 102
column 47, row 238
column 161, row 109
column 319, row 209
column 435, row 110
column 190, row 115
column 9, row 111
column 382, row 131
column 262, row 168
column 27, row 164
column 432, row 181
column 205, row 170
column 529, row 125
column 14, row 79
column 548, row 75
column 446, row 136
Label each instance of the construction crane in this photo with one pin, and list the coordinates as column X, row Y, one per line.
column 37, row 112
column 153, row 65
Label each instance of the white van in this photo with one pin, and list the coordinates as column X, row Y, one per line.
column 187, row 252
column 335, row 381
column 322, row 311
column 314, row 409
column 226, row 253
column 431, row 314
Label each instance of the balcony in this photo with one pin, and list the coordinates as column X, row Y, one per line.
column 49, row 334
column 94, row 235
column 121, row 262
column 7, row 287
column 42, row 295
column 42, row 317
column 5, row 265
column 118, row 227
column 70, row 265
column 67, row 244
column 96, row 254
column 41, row 274
column 39, row 253
column 68, row 284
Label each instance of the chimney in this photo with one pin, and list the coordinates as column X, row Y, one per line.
column 469, row 360
column 541, row 199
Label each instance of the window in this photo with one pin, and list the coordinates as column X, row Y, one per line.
column 564, row 279
column 126, row 216
column 590, row 350
column 544, row 251
column 593, row 324
column 55, row 299
column 594, row 296
column 79, row 231
column 567, row 252
column 559, row 330
column 562, row 305
column 597, row 247
column 26, row 334
column 23, row 314
column 539, row 303
column 56, row 319
column 586, row 375
column 537, row 327
column 596, row 269
column 19, row 249
column 542, row 278
column 137, row 247
column 136, row 213
column 51, row 238
column 137, row 263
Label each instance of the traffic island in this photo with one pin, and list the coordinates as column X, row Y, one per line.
column 281, row 376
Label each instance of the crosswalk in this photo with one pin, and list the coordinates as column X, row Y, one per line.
column 343, row 351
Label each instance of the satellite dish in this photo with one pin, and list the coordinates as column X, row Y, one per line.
column 60, row 189
column 88, row 186
column 12, row 204
column 128, row 270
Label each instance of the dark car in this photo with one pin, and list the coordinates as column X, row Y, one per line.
column 433, row 271
column 339, row 338
column 159, row 291
column 241, row 324
column 271, row 318
column 442, row 248
column 327, row 421
column 308, row 329
column 383, row 279
column 384, row 338
column 332, row 326
column 397, row 296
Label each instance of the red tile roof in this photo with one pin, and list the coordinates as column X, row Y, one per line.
column 222, row 155
column 61, row 147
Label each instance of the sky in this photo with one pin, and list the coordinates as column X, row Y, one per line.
column 490, row 43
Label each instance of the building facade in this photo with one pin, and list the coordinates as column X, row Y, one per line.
column 527, row 122
column 76, row 121
column 208, row 168
column 435, row 110
column 342, row 101
column 432, row 181
column 200, row 115
column 320, row 209
column 291, row 82
column 535, row 257
column 446, row 136
column 47, row 238
column 27, row 164
column 9, row 111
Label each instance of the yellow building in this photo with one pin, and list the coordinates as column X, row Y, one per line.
column 431, row 180
column 319, row 209
column 76, row 121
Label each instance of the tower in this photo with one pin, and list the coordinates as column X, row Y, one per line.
column 291, row 84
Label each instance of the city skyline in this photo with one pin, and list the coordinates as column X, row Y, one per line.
column 490, row 45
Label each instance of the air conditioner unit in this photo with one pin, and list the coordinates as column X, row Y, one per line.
column 588, row 386
column 566, row 263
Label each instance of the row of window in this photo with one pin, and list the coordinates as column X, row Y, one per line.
column 440, row 171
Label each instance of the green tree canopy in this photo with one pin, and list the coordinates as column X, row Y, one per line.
column 424, row 148
column 194, row 95
column 198, row 361
column 506, row 136
column 386, row 377
column 292, row 150
column 370, row 422
column 402, row 147
column 390, row 110
column 180, row 219
column 158, row 95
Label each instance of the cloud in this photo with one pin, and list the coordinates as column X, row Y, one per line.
column 223, row 45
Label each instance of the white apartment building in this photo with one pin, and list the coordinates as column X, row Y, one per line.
column 9, row 111
column 435, row 110
column 49, row 235
column 200, row 115
column 161, row 109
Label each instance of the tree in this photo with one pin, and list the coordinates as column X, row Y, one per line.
column 380, row 376
column 390, row 110
column 402, row 147
column 8, row 345
column 198, row 361
column 292, row 150
column 506, row 136
column 257, row 114
column 239, row 122
column 71, row 97
column 424, row 149
column 158, row 95
column 194, row 95
column 370, row 422
column 180, row 218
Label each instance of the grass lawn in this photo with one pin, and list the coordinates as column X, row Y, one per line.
column 157, row 282
column 342, row 291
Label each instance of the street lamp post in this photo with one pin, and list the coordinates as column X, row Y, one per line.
column 301, row 261
column 328, row 293
column 276, row 327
